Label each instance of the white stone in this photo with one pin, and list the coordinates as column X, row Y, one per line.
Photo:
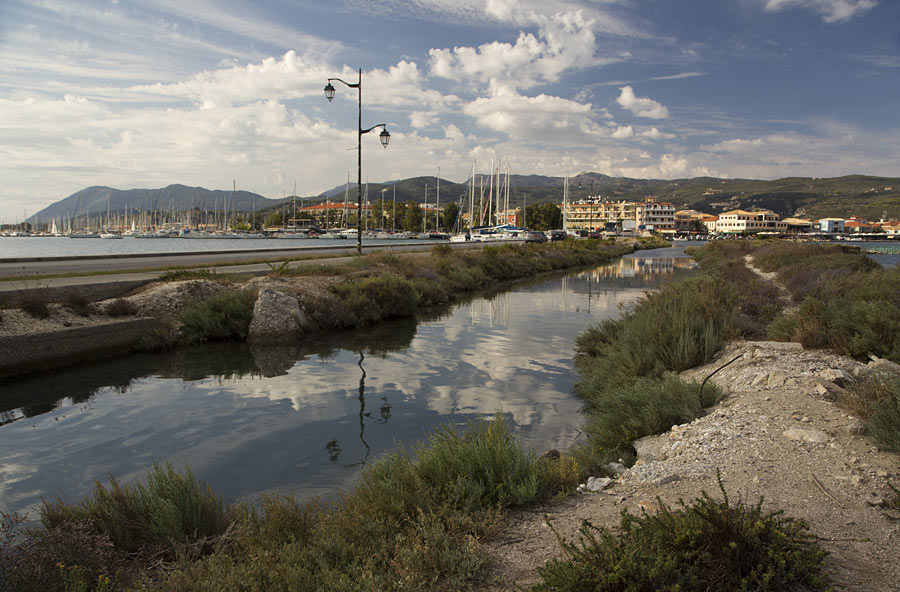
column 810, row 436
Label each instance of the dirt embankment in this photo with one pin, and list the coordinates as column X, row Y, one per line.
column 778, row 435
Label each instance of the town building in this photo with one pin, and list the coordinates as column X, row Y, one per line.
column 831, row 225
column 743, row 222
column 798, row 225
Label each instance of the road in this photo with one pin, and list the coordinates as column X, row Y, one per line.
column 46, row 266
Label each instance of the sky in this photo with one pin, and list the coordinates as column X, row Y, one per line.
column 214, row 92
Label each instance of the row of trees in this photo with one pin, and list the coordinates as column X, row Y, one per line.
column 408, row 216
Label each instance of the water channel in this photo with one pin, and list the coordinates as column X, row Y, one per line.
column 304, row 419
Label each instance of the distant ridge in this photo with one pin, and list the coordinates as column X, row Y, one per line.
column 860, row 195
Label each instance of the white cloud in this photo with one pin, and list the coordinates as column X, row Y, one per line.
column 641, row 106
column 881, row 61
column 545, row 118
column 654, row 134
column 832, row 11
column 667, row 166
column 623, row 132
column 564, row 42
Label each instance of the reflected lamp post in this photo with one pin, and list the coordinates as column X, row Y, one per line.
column 384, row 136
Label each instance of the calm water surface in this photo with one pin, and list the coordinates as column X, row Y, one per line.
column 304, row 419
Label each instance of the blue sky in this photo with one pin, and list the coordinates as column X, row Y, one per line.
column 203, row 92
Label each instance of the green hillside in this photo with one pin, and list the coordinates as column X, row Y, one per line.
column 867, row 197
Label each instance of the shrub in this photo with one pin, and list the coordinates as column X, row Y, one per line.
column 171, row 508
column 78, row 303
column 441, row 250
column 222, row 317
column 707, row 545
column 71, row 556
column 120, row 307
column 34, row 303
column 622, row 413
column 876, row 400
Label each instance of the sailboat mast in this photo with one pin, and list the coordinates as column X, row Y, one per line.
column 437, row 203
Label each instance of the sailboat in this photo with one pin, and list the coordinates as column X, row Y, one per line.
column 107, row 233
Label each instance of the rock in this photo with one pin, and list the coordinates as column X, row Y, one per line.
column 615, row 468
column 875, row 501
column 836, row 376
column 650, row 448
column 276, row 315
column 857, row 428
column 760, row 380
column 552, row 454
column 778, row 345
column 809, row 436
column 595, row 484
column 830, row 391
column 776, row 379
column 668, row 479
column 884, row 366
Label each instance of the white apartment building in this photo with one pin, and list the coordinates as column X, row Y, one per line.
column 653, row 215
column 743, row 222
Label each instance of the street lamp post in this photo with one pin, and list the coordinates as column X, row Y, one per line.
column 384, row 136
column 592, row 203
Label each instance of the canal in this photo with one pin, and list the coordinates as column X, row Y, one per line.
column 304, row 419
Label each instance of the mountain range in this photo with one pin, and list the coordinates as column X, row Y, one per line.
column 868, row 197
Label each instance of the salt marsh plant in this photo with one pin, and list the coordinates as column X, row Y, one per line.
column 705, row 545
column 223, row 317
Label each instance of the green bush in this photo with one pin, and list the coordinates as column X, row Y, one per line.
column 675, row 328
column 222, row 317
column 171, row 508
column 643, row 406
column 876, row 401
column 707, row 545
column 411, row 523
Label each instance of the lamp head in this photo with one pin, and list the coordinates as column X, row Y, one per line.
column 329, row 92
column 385, row 138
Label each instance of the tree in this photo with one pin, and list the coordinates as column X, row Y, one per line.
column 697, row 227
column 450, row 214
column 543, row 216
column 412, row 217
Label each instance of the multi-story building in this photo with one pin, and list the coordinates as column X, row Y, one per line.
column 593, row 212
column 831, row 225
column 653, row 215
column 743, row 222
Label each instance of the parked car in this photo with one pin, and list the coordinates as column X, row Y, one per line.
column 534, row 236
column 557, row 235
column 595, row 234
